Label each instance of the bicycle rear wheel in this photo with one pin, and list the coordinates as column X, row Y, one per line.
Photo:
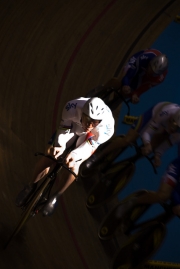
column 29, row 210
column 139, row 247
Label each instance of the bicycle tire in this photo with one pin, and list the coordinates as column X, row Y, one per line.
column 111, row 223
column 110, row 185
column 29, row 209
column 139, row 247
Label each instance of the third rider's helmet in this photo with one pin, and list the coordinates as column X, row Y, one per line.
column 159, row 64
column 94, row 108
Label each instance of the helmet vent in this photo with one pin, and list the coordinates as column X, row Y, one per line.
column 94, row 108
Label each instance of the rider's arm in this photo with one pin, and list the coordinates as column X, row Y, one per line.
column 99, row 135
column 63, row 133
column 149, row 131
column 132, row 68
column 143, row 88
column 151, row 82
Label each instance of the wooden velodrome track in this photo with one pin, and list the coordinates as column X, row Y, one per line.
column 52, row 52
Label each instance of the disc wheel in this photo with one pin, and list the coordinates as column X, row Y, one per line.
column 139, row 247
column 111, row 222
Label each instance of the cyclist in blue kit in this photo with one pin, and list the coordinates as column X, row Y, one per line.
column 144, row 70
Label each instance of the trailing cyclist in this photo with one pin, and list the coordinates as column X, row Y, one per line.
column 169, row 189
column 144, row 70
column 158, row 127
column 89, row 122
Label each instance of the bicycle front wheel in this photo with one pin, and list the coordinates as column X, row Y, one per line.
column 114, row 219
column 115, row 179
column 139, row 247
column 29, row 210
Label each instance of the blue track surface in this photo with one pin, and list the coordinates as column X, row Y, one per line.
column 144, row 178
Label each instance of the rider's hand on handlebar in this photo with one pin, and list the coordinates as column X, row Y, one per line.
column 55, row 151
column 147, row 149
column 70, row 160
column 126, row 89
column 134, row 99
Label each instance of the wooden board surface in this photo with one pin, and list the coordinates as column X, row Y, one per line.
column 52, row 52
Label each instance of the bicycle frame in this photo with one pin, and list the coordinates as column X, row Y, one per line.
column 35, row 202
column 114, row 179
column 164, row 218
column 48, row 182
column 144, row 242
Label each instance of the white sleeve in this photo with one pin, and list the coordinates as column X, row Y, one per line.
column 63, row 134
column 99, row 135
column 103, row 132
column 149, row 131
column 84, row 151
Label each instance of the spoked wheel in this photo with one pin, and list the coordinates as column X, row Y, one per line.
column 111, row 184
column 139, row 247
column 115, row 219
column 29, row 211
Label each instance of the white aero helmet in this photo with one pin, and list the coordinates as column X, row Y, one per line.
column 159, row 64
column 94, row 108
column 176, row 118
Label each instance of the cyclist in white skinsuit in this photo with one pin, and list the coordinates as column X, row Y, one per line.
column 164, row 119
column 161, row 120
column 89, row 121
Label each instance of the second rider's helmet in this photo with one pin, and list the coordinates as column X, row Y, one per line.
column 94, row 108
column 159, row 64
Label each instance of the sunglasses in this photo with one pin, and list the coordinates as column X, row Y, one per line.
column 88, row 120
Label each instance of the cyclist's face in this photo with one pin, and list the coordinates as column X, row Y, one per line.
column 88, row 124
column 173, row 127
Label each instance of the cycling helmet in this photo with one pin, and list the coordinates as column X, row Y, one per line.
column 159, row 64
column 94, row 108
column 176, row 118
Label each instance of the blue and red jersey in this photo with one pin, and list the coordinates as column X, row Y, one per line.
column 172, row 178
column 136, row 72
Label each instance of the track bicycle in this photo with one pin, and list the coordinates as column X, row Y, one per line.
column 114, row 178
column 144, row 238
column 40, row 196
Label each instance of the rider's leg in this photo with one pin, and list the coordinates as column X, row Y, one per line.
column 66, row 180
column 41, row 169
column 151, row 197
column 160, row 196
column 120, row 142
